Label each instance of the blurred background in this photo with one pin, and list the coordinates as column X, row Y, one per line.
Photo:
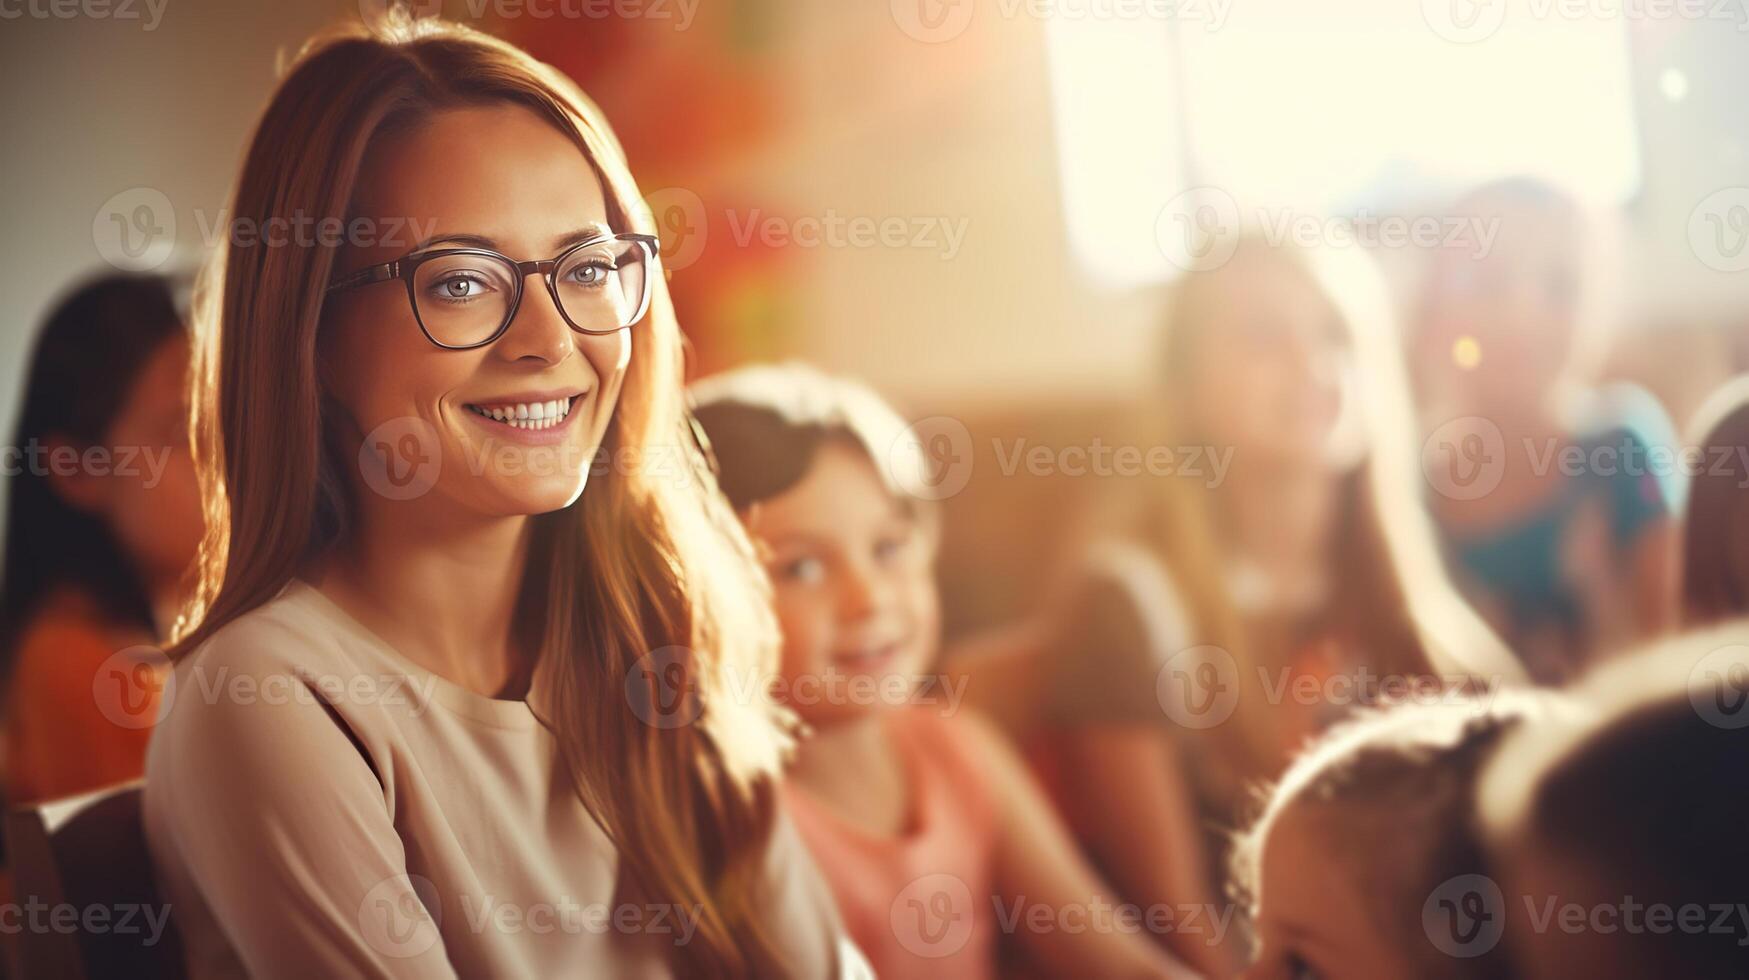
column 972, row 204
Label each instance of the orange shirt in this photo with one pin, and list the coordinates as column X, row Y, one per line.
column 81, row 703
column 920, row 904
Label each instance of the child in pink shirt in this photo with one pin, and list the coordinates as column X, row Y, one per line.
column 936, row 843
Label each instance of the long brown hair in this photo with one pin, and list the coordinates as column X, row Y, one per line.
column 644, row 562
column 1391, row 595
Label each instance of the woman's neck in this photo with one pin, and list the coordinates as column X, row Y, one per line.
column 444, row 596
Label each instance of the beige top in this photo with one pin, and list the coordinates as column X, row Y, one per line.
column 317, row 805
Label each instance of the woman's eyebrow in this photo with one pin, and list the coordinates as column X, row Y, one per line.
column 587, row 232
column 464, row 240
column 560, row 243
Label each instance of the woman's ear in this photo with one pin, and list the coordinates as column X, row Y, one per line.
column 64, row 465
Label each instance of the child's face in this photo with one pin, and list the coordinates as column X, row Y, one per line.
column 855, row 594
column 1313, row 922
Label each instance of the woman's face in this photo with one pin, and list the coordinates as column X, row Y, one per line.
column 1266, row 372
column 496, row 177
column 851, row 570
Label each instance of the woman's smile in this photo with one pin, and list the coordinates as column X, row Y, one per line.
column 535, row 418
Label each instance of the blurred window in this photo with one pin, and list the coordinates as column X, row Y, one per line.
column 1291, row 107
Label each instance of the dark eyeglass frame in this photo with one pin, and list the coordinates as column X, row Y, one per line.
column 406, row 269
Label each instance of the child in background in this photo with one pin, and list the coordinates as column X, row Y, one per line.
column 1621, row 834
column 1311, row 559
column 1362, row 860
column 102, row 523
column 923, row 819
column 1715, row 562
column 1566, row 561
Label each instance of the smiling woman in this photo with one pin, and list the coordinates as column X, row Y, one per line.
column 445, row 831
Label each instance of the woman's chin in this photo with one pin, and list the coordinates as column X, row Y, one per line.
column 531, row 498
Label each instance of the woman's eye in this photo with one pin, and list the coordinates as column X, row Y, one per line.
column 590, row 273
column 459, row 287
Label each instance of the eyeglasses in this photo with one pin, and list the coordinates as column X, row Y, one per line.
column 465, row 298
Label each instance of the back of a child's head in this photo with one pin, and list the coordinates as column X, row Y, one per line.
column 1715, row 539
column 1391, row 795
column 1623, row 830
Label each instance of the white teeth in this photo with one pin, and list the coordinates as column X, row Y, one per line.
column 528, row 415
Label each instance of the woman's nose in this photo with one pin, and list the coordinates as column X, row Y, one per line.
column 538, row 331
